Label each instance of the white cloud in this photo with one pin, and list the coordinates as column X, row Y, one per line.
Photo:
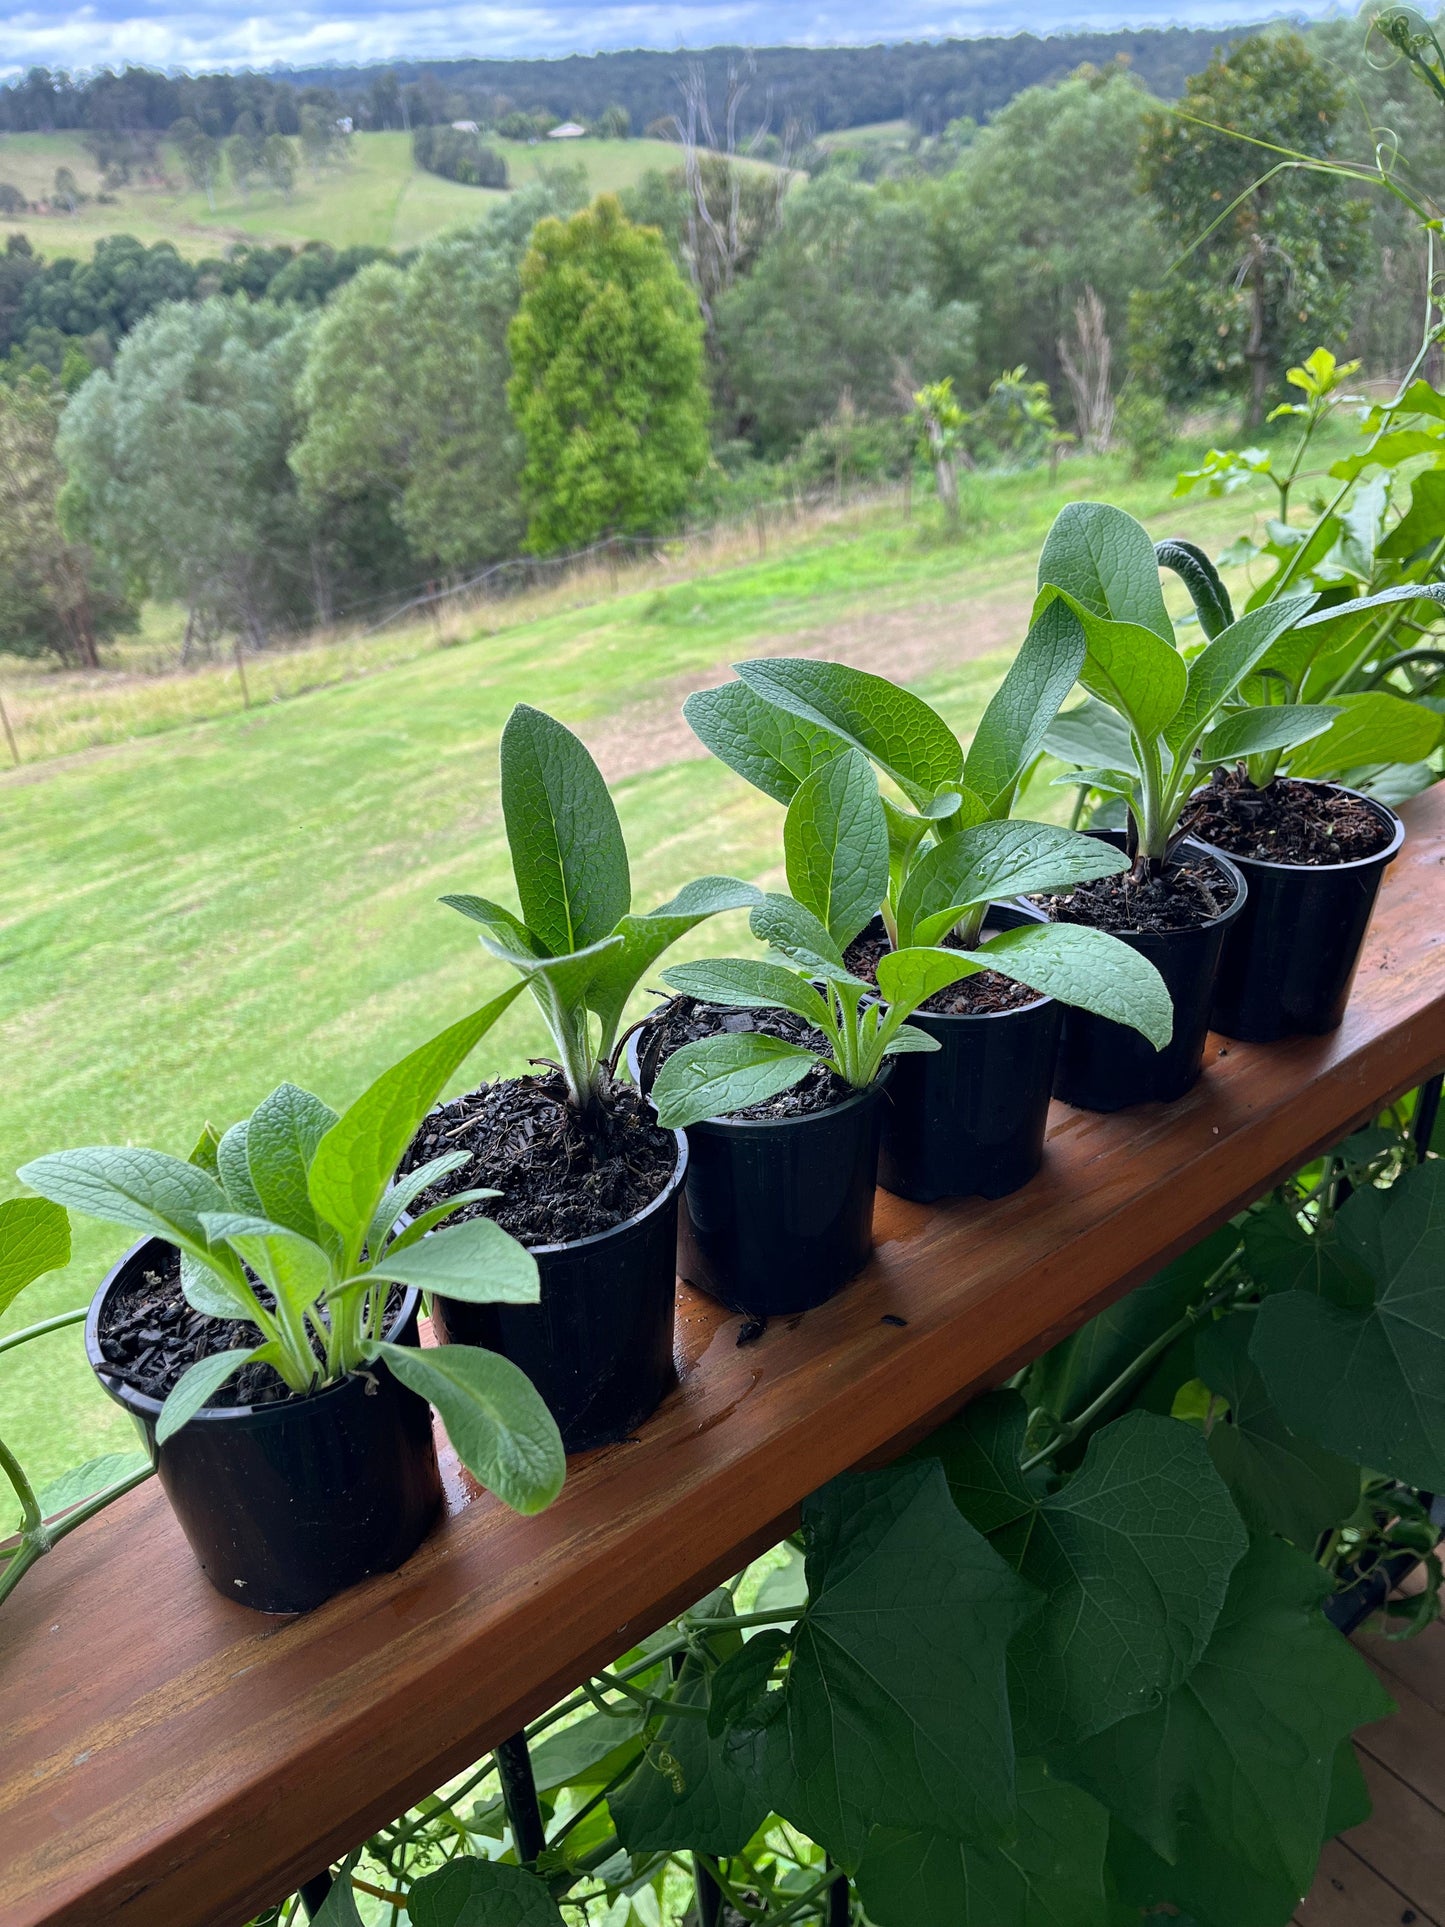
column 152, row 33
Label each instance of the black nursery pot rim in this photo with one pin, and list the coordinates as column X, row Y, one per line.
column 1235, row 876
column 668, row 1191
column 1385, row 855
column 802, row 1118
column 144, row 1406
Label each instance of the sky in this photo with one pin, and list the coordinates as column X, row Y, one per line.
column 199, row 34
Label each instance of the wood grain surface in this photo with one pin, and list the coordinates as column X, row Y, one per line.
column 172, row 1759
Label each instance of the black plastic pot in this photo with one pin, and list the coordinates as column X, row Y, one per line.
column 285, row 1504
column 968, row 1119
column 1290, row 959
column 778, row 1212
column 598, row 1345
column 1104, row 1066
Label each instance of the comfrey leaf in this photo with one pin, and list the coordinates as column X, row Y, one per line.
column 197, row 1387
column 835, row 842
column 744, row 983
column 501, row 1431
column 767, row 746
column 568, row 856
column 476, row 1263
column 716, row 1076
column 145, row 1191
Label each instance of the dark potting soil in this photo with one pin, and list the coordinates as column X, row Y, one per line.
column 681, row 1021
column 1193, row 890
column 149, row 1336
column 1286, row 822
column 981, row 995
column 560, row 1179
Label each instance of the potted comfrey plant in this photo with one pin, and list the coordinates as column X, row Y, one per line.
column 589, row 1181
column 263, row 1333
column 969, row 1116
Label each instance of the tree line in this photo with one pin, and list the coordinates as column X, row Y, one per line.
column 276, row 439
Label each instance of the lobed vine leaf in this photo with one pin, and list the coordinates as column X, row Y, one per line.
column 693, row 1788
column 481, row 1893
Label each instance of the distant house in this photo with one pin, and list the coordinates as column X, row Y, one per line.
column 466, row 127
column 568, row 131
column 345, row 125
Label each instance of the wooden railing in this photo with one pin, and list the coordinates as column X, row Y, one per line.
column 172, row 1759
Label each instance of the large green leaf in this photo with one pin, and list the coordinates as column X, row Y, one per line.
column 403, row 1191
column 83, row 1482
column 197, row 1386
column 1133, row 1554
column 1067, row 1380
column 1252, row 732
column 504, row 924
column 892, row 726
column 747, row 983
column 1281, row 1483
column 1093, row 736
column 1230, row 1777
column 568, row 856
column 1011, row 730
column 771, row 748
column 1420, row 527
column 356, row 1159
column 1105, row 560
column 1280, row 1255
column 991, row 862
column 476, row 1263
column 1371, row 727
column 145, row 1191
column 1048, row 1873
column 297, row 1271
column 499, row 1428
column 34, row 1239
column 1132, row 670
column 835, row 845
column 1086, row 968
column 896, row 1707
column 909, row 977
column 1219, row 668
column 588, row 1752
column 1342, row 629
column 644, row 939
column 233, row 1169
column 481, row 1893
column 1369, row 1383
column 693, row 1790
column 717, row 1076
column 281, row 1139
column 796, row 934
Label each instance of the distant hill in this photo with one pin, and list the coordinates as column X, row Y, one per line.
column 927, row 83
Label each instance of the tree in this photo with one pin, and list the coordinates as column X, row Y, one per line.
column 67, row 189
column 56, row 598
column 1040, row 206
column 1275, row 264
column 319, row 136
column 177, row 462
column 615, row 124
column 405, row 390
column 839, row 300
column 200, row 156
column 279, row 162
column 121, row 283
column 607, row 387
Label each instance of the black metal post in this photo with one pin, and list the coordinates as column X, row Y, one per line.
column 709, row 1896
column 1427, row 1110
column 314, row 1893
column 840, row 1902
column 519, row 1796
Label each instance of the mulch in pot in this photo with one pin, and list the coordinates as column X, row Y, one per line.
column 981, row 995
column 561, row 1178
column 150, row 1336
column 682, row 1021
column 1288, row 821
column 1193, row 890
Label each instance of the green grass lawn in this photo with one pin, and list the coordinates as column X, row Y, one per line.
column 378, row 197
column 188, row 917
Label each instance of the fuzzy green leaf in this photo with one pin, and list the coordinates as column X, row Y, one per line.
column 145, row 1191
column 356, row 1159
column 1230, row 1777
column 234, row 1170
column 34, row 1239
column 1371, row 727
column 499, row 1428
column 747, row 983
column 83, row 1482
column 908, row 978
column 1369, row 1383
column 891, row 726
column 1086, row 968
column 399, row 1195
column 644, row 939
column 197, row 1386
column 1133, row 1555
column 1252, row 732
column 481, row 1893
column 281, row 1139
column 767, row 746
column 1048, row 1873
column 896, row 1708
column 504, row 924
column 568, row 856
column 797, row 934
column 1093, row 736
column 1132, row 670
column 1012, row 729
column 717, row 1076
column 476, row 1263
column 993, row 861
column 835, row 844
column 1105, row 560
column 1222, row 665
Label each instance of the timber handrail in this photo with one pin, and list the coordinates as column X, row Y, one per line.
column 172, row 1759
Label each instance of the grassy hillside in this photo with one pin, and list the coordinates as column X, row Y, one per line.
column 187, row 918
column 377, row 198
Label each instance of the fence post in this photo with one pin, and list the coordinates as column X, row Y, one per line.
column 519, row 1796
column 241, row 672
column 762, row 528
column 9, row 733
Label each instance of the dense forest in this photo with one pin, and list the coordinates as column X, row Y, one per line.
column 275, row 437
column 820, row 88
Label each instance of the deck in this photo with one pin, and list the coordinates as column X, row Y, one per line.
column 173, row 1760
